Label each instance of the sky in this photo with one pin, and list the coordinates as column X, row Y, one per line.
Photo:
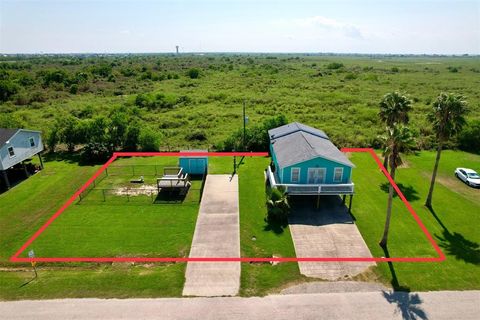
column 340, row 26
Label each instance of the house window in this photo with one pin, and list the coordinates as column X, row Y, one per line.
column 295, row 175
column 32, row 142
column 338, row 175
column 11, row 152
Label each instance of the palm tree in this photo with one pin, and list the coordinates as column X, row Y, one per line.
column 277, row 205
column 394, row 108
column 398, row 139
column 447, row 118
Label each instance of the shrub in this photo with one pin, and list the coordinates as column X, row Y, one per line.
column 469, row 137
column 95, row 152
column 132, row 137
column 148, row 140
column 335, row 65
column 193, row 73
column 256, row 138
column 350, row 76
column 7, row 89
column 74, row 89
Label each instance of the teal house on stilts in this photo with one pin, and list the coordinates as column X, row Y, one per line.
column 306, row 162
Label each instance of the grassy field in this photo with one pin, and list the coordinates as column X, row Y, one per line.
column 343, row 102
column 453, row 224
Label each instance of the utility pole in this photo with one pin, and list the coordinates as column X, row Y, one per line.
column 244, row 128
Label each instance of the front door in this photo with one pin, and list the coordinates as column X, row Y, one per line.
column 316, row 175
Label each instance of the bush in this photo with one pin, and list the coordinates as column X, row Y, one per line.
column 350, row 76
column 74, row 89
column 7, row 89
column 469, row 137
column 95, row 152
column 193, row 73
column 256, row 138
column 197, row 135
column 335, row 65
column 148, row 140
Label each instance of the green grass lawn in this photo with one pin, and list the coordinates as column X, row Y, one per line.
column 453, row 223
column 106, row 229
column 123, row 225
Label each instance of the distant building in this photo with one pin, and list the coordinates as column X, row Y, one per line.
column 16, row 146
column 176, row 47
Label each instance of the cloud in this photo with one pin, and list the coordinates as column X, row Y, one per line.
column 328, row 24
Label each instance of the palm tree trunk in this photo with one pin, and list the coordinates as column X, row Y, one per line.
column 385, row 162
column 428, row 203
column 383, row 242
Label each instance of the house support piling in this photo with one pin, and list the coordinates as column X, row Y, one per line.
column 5, row 178
column 25, row 170
column 350, row 204
column 41, row 161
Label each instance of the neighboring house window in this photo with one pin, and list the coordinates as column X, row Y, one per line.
column 295, row 175
column 32, row 142
column 338, row 175
column 11, row 152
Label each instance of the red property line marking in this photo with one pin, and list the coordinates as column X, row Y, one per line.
column 16, row 258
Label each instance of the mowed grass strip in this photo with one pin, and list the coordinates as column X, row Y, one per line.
column 258, row 239
column 94, row 281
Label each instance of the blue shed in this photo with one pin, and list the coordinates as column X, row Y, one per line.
column 194, row 164
column 305, row 161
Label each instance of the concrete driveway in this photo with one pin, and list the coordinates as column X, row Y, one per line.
column 217, row 234
column 327, row 232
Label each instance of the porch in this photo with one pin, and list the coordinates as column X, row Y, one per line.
column 310, row 189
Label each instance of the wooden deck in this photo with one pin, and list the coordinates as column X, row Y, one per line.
column 311, row 189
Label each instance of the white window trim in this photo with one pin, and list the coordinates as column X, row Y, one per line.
column 30, row 144
column 341, row 176
column 291, row 174
column 13, row 149
column 321, row 169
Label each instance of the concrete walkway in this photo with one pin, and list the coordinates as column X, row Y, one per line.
column 327, row 232
column 217, row 234
column 351, row 305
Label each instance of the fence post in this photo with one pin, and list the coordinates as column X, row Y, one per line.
column 128, row 195
column 106, row 172
column 103, row 193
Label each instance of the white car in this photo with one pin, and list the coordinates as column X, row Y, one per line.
column 468, row 176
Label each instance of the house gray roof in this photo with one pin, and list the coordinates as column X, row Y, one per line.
column 294, row 127
column 295, row 142
column 5, row 135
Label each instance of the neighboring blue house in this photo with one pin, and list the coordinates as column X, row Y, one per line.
column 306, row 162
column 16, row 146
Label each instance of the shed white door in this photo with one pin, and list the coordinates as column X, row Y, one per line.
column 316, row 175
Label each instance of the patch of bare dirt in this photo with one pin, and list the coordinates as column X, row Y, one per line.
column 145, row 190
